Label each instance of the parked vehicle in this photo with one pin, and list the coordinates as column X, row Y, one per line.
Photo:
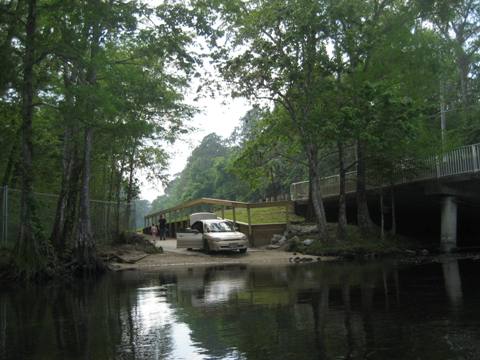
column 209, row 233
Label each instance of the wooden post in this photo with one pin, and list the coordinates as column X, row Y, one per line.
column 176, row 221
column 287, row 213
column 223, row 212
column 234, row 216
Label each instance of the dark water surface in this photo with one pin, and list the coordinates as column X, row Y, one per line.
column 317, row 311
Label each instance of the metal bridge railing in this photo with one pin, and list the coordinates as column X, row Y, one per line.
column 463, row 160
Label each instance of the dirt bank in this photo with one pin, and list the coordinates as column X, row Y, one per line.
column 182, row 257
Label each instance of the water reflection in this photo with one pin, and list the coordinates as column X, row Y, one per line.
column 453, row 282
column 319, row 311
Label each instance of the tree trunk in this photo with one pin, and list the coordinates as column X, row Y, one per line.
column 108, row 215
column 443, row 118
column 29, row 255
column 382, row 217
column 348, row 321
column 12, row 158
column 310, row 212
column 342, row 205
column 394, row 216
column 463, row 69
column 117, row 197
column 274, row 190
column 72, row 198
column 85, row 244
column 316, row 193
column 63, row 224
column 17, row 173
column 59, row 230
column 131, row 168
column 363, row 215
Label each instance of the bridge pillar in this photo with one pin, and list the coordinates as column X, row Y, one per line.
column 453, row 281
column 449, row 224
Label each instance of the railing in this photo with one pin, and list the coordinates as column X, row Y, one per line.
column 104, row 216
column 463, row 160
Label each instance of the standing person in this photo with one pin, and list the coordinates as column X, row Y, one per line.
column 162, row 225
column 154, row 230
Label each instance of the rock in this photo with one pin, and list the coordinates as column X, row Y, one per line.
column 272, row 246
column 276, row 238
column 295, row 240
column 302, row 229
column 308, row 242
column 424, row 252
column 299, row 259
column 282, row 241
column 410, row 252
column 131, row 258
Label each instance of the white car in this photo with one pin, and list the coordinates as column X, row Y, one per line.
column 211, row 234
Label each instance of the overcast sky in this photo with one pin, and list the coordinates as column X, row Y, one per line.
column 219, row 115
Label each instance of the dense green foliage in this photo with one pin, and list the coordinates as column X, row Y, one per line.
column 350, row 85
column 368, row 74
column 88, row 88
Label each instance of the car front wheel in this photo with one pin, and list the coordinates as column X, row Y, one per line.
column 243, row 251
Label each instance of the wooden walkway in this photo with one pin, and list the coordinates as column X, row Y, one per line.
column 258, row 234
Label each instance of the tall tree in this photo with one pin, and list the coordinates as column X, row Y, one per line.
column 31, row 247
column 279, row 52
column 105, row 82
column 458, row 23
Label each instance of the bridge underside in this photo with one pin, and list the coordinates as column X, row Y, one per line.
column 444, row 213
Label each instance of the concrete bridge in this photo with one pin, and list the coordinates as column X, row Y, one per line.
column 436, row 198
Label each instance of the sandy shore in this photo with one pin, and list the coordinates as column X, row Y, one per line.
column 172, row 257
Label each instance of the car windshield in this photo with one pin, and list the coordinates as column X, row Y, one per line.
column 221, row 226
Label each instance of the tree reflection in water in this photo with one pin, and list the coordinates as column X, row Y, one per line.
column 453, row 282
column 318, row 311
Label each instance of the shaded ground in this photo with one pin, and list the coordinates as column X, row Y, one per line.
column 172, row 256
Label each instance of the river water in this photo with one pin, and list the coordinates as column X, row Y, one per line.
column 380, row 310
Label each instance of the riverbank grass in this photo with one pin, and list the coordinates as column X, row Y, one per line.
column 356, row 243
